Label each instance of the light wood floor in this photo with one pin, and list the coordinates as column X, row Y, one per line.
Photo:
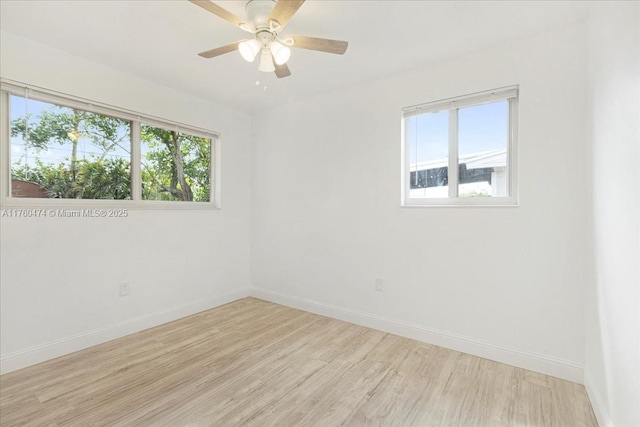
column 260, row 364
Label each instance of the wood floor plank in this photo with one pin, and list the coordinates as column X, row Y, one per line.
column 254, row 363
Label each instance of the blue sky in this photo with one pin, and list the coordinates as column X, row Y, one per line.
column 56, row 153
column 480, row 128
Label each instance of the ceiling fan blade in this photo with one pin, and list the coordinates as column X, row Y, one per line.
column 323, row 45
column 220, row 50
column 282, row 71
column 283, row 11
column 223, row 13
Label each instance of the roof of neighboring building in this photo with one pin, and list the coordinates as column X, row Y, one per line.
column 485, row 159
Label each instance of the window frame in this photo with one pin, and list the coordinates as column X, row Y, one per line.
column 452, row 105
column 8, row 88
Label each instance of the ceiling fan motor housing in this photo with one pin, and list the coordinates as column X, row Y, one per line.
column 258, row 12
column 265, row 37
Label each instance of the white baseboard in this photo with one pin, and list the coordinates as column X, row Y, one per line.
column 522, row 359
column 596, row 403
column 23, row 358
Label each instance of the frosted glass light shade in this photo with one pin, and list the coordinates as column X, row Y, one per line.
column 266, row 61
column 249, row 49
column 281, row 53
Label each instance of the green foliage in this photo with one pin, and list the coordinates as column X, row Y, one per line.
column 56, row 126
column 175, row 166
column 167, row 152
column 99, row 179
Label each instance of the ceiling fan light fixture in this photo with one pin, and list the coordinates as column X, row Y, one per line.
column 249, row 49
column 265, row 20
column 281, row 53
column 266, row 61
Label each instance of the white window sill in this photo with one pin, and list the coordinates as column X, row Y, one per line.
column 488, row 202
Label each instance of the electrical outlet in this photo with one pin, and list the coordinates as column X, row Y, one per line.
column 125, row 289
column 379, row 285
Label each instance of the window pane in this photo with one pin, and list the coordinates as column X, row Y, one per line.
column 427, row 137
column 61, row 152
column 175, row 166
column 482, row 150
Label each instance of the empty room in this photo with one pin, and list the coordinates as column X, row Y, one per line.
column 319, row 213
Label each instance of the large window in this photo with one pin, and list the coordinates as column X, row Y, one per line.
column 461, row 151
column 62, row 148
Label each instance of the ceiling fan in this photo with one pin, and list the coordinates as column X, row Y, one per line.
column 265, row 20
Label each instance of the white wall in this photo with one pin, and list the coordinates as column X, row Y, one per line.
column 59, row 279
column 612, row 366
column 326, row 220
column 504, row 283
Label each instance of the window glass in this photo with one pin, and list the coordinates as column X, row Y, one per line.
column 62, row 152
column 428, row 144
column 176, row 166
column 482, row 150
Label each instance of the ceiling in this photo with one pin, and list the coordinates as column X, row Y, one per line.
column 159, row 40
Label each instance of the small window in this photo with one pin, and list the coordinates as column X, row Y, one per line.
column 461, row 151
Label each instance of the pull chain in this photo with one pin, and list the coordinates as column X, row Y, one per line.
column 264, row 88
